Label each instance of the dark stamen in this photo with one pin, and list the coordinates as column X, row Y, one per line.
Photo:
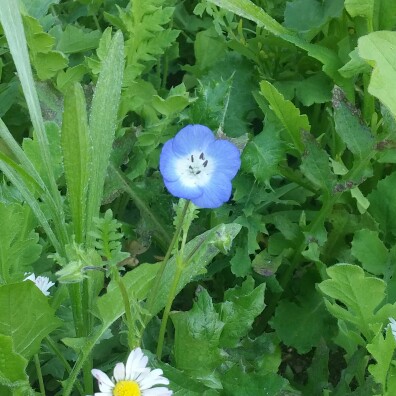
column 192, row 158
column 202, row 157
column 198, row 172
column 190, row 167
column 205, row 163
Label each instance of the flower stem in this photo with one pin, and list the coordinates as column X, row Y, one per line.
column 172, row 293
column 157, row 280
column 164, row 321
column 128, row 312
column 39, row 374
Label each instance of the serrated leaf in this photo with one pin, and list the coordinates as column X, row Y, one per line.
column 315, row 164
column 302, row 325
column 197, row 337
column 18, row 243
column 288, row 114
column 12, row 365
column 351, row 129
column 240, row 307
column 75, row 40
column 383, row 205
column 382, row 351
column 263, row 153
column 31, row 321
column 368, row 248
column 347, row 298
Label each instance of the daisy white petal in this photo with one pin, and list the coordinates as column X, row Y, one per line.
column 104, row 382
column 160, row 391
column 392, row 325
column 153, row 378
column 119, row 372
column 42, row 282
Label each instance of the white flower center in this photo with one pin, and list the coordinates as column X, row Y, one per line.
column 195, row 170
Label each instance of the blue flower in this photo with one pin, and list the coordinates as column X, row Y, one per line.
column 197, row 166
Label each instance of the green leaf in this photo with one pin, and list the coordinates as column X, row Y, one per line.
column 374, row 48
column 12, row 364
column 102, row 122
column 368, row 248
column 38, row 8
column 240, row 307
column 75, row 40
column 348, row 300
column 263, row 153
column 382, row 351
column 302, row 325
column 238, row 382
column 208, row 39
column 315, row 164
column 363, row 8
column 70, row 76
column 288, row 114
column 48, row 65
column 202, row 250
column 306, row 15
column 355, row 134
column 18, row 243
column 383, row 205
column 76, row 149
column 25, row 316
column 197, row 337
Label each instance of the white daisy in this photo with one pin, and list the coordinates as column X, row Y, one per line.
column 42, row 282
column 132, row 379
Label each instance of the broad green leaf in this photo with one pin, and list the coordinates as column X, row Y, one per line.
column 240, row 307
column 208, row 39
column 197, row 337
column 347, row 297
column 76, row 149
column 263, row 153
column 202, row 250
column 70, row 76
column 368, row 248
column 138, row 283
column 315, row 164
column 18, row 243
column 12, row 364
column 288, row 114
column 382, row 351
column 351, row 129
column 377, row 49
column 25, row 316
column 363, row 8
column 383, row 205
column 302, row 325
column 38, row 8
column 48, row 65
column 102, row 122
column 74, row 40
column 237, row 382
column 306, row 15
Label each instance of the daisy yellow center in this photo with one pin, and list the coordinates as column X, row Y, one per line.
column 126, row 388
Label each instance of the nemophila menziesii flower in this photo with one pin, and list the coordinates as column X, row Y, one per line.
column 132, row 379
column 197, row 166
column 42, row 282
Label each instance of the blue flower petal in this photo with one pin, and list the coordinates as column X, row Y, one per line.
column 180, row 190
column 192, row 138
column 227, row 157
column 215, row 193
column 167, row 162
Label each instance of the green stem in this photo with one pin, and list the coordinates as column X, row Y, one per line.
column 157, row 280
column 128, row 311
column 171, row 297
column 39, row 374
column 52, row 345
